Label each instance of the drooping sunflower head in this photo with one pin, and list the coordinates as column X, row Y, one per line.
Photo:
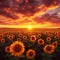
column 30, row 53
column 17, row 48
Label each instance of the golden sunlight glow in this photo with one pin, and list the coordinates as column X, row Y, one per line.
column 29, row 27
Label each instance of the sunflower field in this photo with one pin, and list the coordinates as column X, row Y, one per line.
column 30, row 46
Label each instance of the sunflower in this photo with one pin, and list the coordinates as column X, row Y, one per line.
column 17, row 48
column 2, row 40
column 33, row 38
column 24, row 37
column 55, row 44
column 50, row 34
column 39, row 35
column 49, row 49
column 55, row 37
column 7, row 49
column 1, row 35
column 48, row 38
column 18, row 39
column 58, row 35
column 40, row 41
column 10, row 36
column 20, row 35
column 30, row 53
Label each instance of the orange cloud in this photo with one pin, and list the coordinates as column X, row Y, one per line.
column 21, row 13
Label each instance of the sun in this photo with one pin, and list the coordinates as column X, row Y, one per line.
column 29, row 27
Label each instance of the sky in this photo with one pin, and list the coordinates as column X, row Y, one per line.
column 30, row 13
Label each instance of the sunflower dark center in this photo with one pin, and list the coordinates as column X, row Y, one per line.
column 40, row 41
column 33, row 38
column 30, row 53
column 48, row 48
column 17, row 48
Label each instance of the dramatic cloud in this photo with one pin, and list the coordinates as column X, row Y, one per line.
column 22, row 12
column 52, row 16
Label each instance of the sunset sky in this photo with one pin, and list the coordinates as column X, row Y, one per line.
column 30, row 13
